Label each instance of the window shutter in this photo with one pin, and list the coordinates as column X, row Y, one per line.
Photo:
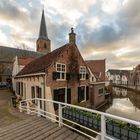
column 87, row 92
column 87, row 76
column 69, row 95
column 68, row 76
column 56, row 75
column 55, row 92
column 55, row 98
column 78, row 77
column 79, row 94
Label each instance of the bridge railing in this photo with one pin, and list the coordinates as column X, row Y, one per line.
column 83, row 120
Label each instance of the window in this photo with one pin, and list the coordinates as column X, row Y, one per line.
column 82, row 72
column 83, row 93
column 33, row 93
column 61, row 68
column 45, row 46
column 101, row 91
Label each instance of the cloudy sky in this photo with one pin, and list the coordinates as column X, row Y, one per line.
column 106, row 29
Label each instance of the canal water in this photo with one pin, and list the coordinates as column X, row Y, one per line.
column 124, row 103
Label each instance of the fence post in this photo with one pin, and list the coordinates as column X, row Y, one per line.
column 103, row 127
column 38, row 107
column 60, row 115
column 28, row 108
column 20, row 107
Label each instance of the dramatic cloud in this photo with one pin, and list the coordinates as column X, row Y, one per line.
column 105, row 29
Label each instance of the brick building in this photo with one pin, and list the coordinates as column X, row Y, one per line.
column 60, row 75
column 134, row 76
column 97, row 82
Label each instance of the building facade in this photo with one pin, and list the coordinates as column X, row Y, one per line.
column 134, row 76
column 60, row 75
column 18, row 65
column 119, row 77
column 97, row 82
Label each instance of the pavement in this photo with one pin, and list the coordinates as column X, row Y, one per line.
column 8, row 114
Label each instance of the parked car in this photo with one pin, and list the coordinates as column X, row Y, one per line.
column 4, row 84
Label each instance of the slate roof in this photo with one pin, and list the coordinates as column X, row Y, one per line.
column 7, row 54
column 43, row 29
column 97, row 67
column 42, row 63
column 24, row 61
column 7, row 71
column 118, row 72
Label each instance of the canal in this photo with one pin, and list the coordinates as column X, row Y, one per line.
column 124, row 103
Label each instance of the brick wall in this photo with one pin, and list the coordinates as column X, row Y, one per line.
column 68, row 56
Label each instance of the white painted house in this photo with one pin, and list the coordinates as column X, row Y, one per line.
column 119, row 77
column 18, row 65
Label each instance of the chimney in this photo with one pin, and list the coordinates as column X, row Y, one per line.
column 72, row 37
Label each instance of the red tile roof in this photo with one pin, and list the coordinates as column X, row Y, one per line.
column 42, row 63
column 97, row 67
column 25, row 61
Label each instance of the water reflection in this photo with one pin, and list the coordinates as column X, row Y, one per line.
column 120, row 91
column 124, row 103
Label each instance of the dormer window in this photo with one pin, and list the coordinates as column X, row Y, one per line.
column 61, row 69
column 82, row 73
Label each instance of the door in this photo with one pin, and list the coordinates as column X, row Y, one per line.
column 59, row 95
column 69, row 96
column 39, row 95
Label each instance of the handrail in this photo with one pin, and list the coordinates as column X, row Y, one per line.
column 61, row 106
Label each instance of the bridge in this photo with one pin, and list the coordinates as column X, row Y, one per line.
column 69, row 122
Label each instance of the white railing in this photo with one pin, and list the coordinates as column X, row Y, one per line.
column 57, row 116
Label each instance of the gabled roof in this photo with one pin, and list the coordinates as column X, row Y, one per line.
column 42, row 63
column 25, row 60
column 7, row 54
column 118, row 72
column 97, row 67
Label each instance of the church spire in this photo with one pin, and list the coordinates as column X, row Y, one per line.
column 43, row 43
column 43, row 29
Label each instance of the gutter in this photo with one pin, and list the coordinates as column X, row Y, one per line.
column 95, row 83
column 28, row 75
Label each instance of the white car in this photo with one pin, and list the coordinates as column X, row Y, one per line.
column 3, row 84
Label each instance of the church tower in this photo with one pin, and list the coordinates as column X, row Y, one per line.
column 43, row 43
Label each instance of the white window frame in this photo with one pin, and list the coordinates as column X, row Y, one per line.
column 82, row 73
column 84, row 93
column 61, row 71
